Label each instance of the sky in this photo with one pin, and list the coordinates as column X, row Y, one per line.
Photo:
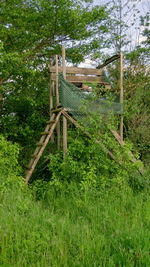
column 143, row 5
column 135, row 31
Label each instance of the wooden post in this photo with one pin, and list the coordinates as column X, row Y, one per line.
column 51, row 101
column 50, row 91
column 57, row 93
column 53, row 88
column 121, row 94
column 63, row 61
column 64, row 136
column 57, row 103
column 64, row 119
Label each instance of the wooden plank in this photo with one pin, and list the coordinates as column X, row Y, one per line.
column 75, row 70
column 90, row 79
column 64, row 136
column 29, row 173
column 81, row 79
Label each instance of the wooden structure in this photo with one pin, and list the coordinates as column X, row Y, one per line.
column 77, row 76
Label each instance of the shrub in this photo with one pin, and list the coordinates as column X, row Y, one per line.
column 8, row 158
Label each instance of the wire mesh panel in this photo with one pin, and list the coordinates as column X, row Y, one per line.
column 79, row 102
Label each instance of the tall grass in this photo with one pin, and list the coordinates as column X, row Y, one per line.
column 70, row 226
column 74, row 228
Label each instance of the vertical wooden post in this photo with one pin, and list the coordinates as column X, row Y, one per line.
column 53, row 86
column 50, row 91
column 121, row 94
column 64, row 119
column 63, row 61
column 57, row 103
column 57, row 93
column 51, row 101
column 64, row 136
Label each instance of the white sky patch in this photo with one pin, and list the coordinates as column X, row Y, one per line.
column 135, row 31
column 88, row 63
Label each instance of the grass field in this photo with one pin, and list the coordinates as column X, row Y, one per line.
column 74, row 228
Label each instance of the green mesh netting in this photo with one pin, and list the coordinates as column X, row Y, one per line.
column 79, row 102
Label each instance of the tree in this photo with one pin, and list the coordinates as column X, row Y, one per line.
column 138, row 95
column 31, row 32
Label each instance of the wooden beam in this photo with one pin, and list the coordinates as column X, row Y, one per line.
column 58, row 134
column 57, row 103
column 109, row 60
column 81, row 79
column 122, row 143
column 64, row 61
column 75, row 70
column 51, row 101
column 64, row 136
column 64, row 119
column 50, row 91
column 53, row 87
column 57, row 81
column 121, row 94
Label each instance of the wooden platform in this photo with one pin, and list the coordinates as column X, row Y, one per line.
column 79, row 76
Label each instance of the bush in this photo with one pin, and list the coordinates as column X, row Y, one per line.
column 8, row 158
column 88, row 164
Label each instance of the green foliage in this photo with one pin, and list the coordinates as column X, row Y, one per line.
column 136, row 99
column 137, row 104
column 87, row 214
column 8, row 158
column 31, row 33
column 88, row 165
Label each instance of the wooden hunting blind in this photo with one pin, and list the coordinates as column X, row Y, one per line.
column 68, row 90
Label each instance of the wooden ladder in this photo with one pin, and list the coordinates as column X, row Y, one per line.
column 46, row 135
